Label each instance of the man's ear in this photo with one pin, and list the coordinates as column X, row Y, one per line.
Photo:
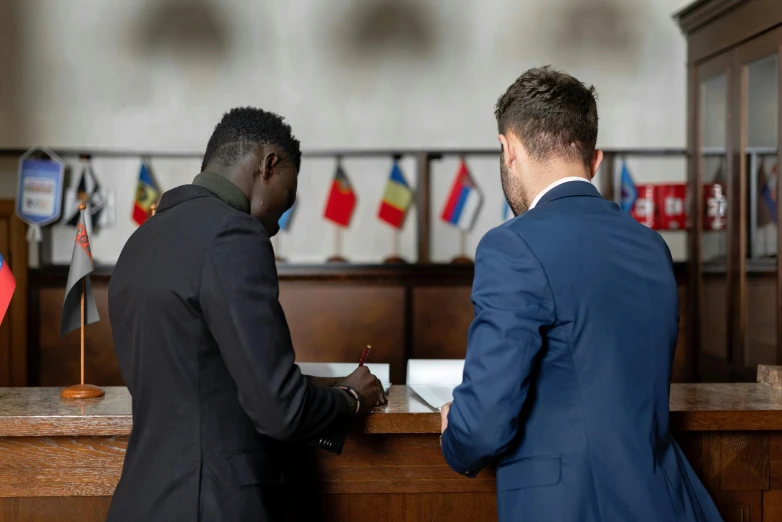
column 508, row 154
column 597, row 159
column 267, row 165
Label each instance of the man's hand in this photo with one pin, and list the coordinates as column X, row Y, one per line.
column 444, row 416
column 368, row 388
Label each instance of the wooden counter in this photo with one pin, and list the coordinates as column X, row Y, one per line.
column 60, row 461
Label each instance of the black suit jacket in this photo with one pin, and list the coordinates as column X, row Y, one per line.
column 205, row 351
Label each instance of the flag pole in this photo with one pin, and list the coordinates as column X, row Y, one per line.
column 462, row 258
column 395, row 257
column 337, row 257
column 82, row 391
column 83, row 291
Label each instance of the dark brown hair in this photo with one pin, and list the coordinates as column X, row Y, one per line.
column 552, row 113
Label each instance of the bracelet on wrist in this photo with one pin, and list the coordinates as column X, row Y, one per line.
column 354, row 394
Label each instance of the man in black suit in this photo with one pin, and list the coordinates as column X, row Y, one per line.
column 203, row 344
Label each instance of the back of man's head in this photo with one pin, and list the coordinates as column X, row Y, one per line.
column 242, row 130
column 553, row 114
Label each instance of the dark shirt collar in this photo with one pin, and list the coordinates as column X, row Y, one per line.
column 223, row 189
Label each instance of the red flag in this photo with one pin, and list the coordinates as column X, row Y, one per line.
column 7, row 287
column 342, row 199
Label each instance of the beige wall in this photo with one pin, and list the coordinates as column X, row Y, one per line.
column 347, row 74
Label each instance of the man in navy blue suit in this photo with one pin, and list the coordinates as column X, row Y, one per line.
column 568, row 365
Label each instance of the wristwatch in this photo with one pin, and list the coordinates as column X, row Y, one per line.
column 354, row 394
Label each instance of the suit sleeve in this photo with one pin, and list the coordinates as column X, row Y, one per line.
column 513, row 306
column 239, row 299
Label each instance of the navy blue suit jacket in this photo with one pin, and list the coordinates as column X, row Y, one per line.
column 568, row 368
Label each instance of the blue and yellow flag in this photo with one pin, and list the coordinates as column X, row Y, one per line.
column 396, row 199
column 146, row 194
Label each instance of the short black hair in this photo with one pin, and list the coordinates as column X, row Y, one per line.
column 552, row 113
column 242, row 129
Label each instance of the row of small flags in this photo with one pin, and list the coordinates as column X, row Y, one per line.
column 89, row 192
column 460, row 208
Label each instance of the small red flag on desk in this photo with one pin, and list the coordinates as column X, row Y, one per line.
column 342, row 199
column 7, row 287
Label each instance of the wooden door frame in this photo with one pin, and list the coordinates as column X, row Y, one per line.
column 13, row 363
column 698, row 74
column 745, row 54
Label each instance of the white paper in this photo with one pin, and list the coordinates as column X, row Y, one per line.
column 434, row 396
column 380, row 370
column 433, row 380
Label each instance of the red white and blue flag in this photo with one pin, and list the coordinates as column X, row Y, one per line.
column 7, row 287
column 464, row 200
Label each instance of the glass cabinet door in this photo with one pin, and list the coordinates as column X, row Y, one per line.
column 712, row 176
column 760, row 136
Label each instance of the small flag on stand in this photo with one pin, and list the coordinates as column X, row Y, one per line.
column 629, row 190
column 7, row 287
column 342, row 199
column 79, row 281
column 146, row 194
column 464, row 200
column 89, row 193
column 285, row 219
column 396, row 198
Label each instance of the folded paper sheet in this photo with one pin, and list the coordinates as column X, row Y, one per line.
column 433, row 380
column 380, row 370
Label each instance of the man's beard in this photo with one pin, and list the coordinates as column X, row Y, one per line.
column 514, row 191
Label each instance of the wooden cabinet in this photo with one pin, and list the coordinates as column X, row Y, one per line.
column 734, row 134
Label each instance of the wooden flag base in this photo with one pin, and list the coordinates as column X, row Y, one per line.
column 336, row 259
column 461, row 260
column 82, row 391
column 395, row 260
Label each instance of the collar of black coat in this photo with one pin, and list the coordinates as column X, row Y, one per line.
column 223, row 189
column 568, row 190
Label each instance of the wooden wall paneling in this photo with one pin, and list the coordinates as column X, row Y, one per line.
column 60, row 466
column 58, row 357
column 772, row 505
column 17, row 312
column 333, row 322
column 740, row 506
column 761, row 333
column 453, row 507
column 729, row 460
column 6, row 351
column 714, row 329
column 441, row 318
column 13, row 330
column 54, row 509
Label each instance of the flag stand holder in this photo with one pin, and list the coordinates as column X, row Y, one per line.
column 462, row 259
column 337, row 258
column 82, row 391
column 395, row 259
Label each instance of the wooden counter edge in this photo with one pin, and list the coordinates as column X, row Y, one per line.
column 379, row 424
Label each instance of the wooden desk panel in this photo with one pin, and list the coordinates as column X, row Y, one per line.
column 60, row 461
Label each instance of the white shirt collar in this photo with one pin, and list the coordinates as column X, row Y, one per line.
column 555, row 184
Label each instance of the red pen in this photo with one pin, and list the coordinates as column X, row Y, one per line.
column 364, row 355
